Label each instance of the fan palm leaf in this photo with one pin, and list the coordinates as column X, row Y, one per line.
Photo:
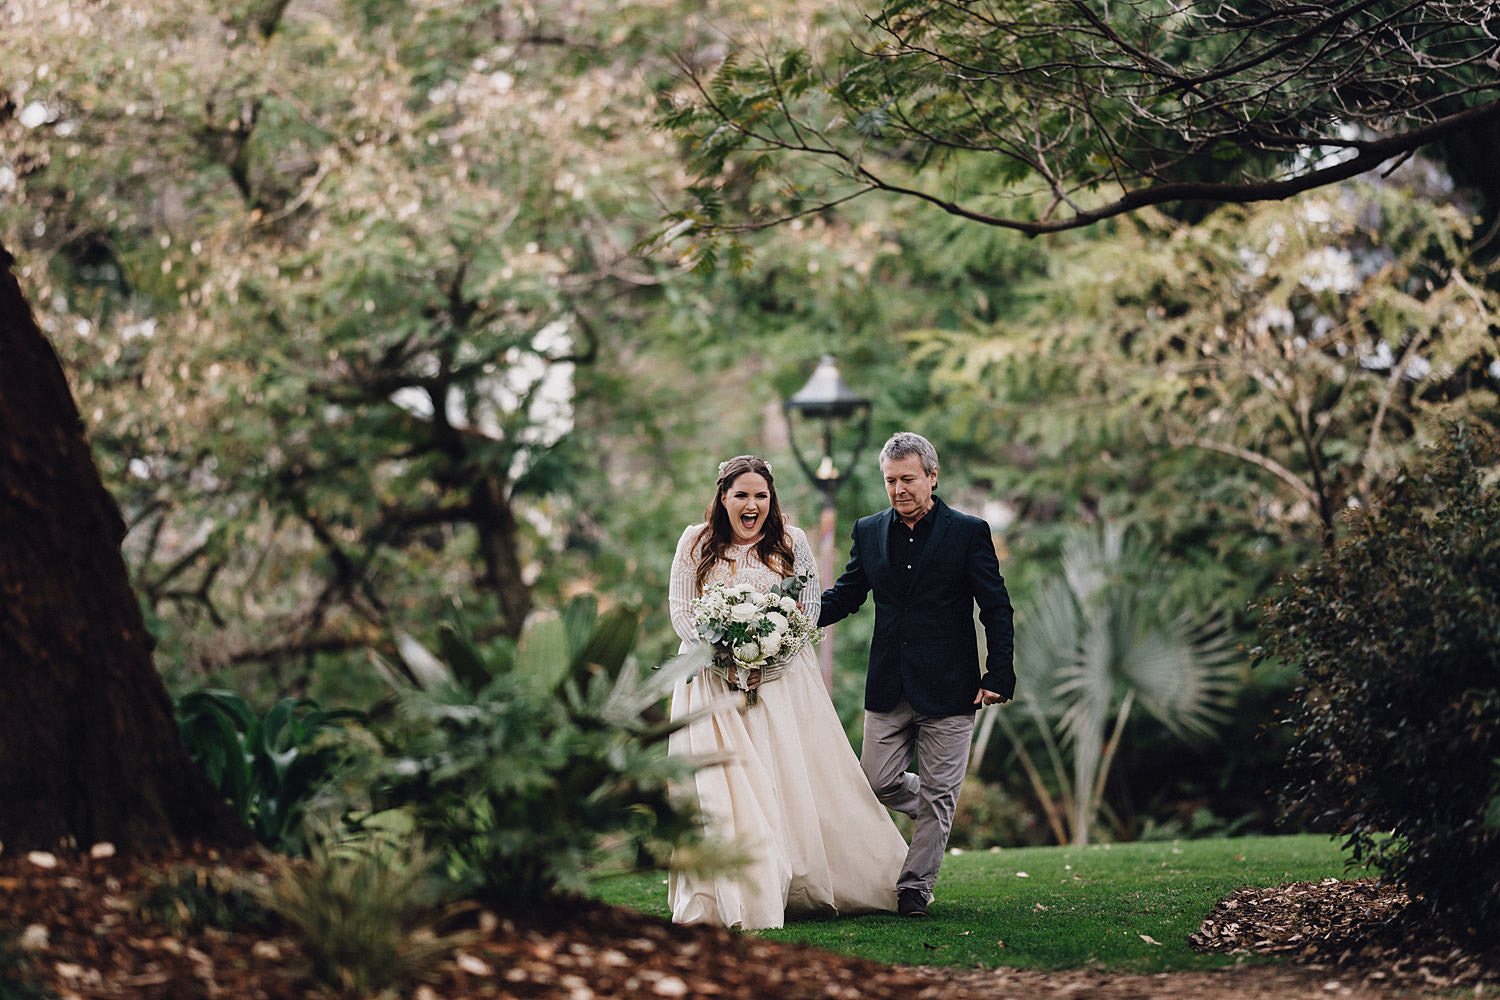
column 1092, row 645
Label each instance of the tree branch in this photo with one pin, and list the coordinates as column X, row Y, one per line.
column 1272, row 466
column 1370, row 156
column 1132, row 108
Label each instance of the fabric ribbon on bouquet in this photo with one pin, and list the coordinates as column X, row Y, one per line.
column 734, row 674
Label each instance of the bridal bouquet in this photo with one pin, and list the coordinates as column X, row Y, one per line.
column 750, row 630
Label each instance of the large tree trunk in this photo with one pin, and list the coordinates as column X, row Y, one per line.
column 89, row 751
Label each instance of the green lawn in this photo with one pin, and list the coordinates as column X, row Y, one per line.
column 1056, row 907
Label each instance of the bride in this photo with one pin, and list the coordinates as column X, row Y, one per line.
column 791, row 795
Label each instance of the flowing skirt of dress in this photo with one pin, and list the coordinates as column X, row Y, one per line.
column 792, row 797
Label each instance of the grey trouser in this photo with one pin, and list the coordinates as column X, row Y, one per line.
column 940, row 744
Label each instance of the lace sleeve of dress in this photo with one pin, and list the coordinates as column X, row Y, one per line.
column 683, row 586
column 804, row 564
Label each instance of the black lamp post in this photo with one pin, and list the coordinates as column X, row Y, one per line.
column 826, row 399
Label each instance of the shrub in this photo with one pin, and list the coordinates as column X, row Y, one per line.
column 990, row 815
column 269, row 769
column 537, row 772
column 367, row 909
column 1094, row 643
column 1397, row 634
column 189, row 897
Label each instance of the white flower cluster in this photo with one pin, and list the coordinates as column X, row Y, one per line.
column 756, row 629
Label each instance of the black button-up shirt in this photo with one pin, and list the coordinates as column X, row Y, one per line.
column 906, row 545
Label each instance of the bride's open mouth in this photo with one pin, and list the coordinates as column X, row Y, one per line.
column 749, row 520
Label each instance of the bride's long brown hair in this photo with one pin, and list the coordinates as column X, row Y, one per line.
column 713, row 542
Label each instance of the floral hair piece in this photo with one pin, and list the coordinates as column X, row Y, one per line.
column 725, row 465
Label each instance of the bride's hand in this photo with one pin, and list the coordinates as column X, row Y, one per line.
column 752, row 679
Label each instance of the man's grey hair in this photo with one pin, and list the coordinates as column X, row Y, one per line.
column 904, row 443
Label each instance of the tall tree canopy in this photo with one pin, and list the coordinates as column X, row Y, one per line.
column 1084, row 110
column 324, row 275
column 347, row 295
column 1238, row 383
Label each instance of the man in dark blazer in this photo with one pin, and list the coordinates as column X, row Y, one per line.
column 928, row 566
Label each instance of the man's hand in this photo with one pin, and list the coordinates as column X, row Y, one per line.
column 987, row 697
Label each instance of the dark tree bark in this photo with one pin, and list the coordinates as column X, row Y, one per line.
column 495, row 520
column 89, row 751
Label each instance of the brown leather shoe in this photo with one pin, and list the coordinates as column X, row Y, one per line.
column 909, row 903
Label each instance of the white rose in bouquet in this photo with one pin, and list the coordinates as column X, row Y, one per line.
column 753, row 631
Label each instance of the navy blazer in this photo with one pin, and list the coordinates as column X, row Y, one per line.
column 924, row 644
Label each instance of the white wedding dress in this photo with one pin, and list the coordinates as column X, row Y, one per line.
column 792, row 795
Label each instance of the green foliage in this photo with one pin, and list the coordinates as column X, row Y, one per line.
column 1228, row 388
column 1164, row 788
column 1059, row 907
column 1397, row 634
column 324, row 317
column 186, row 897
column 300, row 280
column 270, row 768
column 1205, row 98
column 550, row 772
column 366, row 909
column 989, row 816
column 1092, row 644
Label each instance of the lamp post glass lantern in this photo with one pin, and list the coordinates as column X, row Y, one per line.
column 826, row 402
